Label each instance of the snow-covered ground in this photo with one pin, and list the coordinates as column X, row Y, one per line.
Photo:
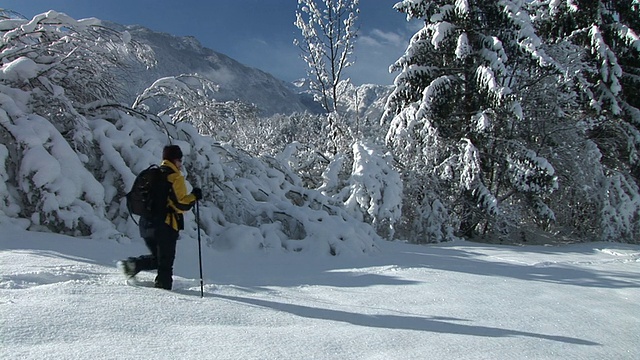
column 62, row 298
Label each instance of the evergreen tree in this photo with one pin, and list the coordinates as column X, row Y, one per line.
column 610, row 76
column 600, row 39
column 455, row 114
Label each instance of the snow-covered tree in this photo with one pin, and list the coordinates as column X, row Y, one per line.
column 54, row 68
column 598, row 46
column 329, row 31
column 454, row 114
column 79, row 55
column 191, row 98
column 608, row 33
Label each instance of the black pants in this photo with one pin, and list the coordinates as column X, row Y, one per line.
column 163, row 253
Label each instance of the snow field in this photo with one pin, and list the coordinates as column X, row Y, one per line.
column 63, row 298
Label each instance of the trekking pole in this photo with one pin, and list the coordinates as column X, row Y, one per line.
column 199, row 249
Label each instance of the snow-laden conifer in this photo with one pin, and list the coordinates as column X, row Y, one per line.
column 603, row 61
column 456, row 109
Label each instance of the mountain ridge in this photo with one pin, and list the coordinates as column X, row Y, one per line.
column 177, row 55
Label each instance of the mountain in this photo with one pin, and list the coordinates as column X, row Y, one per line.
column 177, row 55
column 10, row 14
column 364, row 101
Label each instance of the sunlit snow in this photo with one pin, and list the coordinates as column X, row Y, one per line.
column 62, row 298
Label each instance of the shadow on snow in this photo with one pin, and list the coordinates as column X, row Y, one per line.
column 416, row 323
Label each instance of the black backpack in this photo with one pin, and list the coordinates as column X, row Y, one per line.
column 148, row 196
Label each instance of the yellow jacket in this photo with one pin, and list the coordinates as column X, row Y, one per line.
column 179, row 200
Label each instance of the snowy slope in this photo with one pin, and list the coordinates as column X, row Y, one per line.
column 62, row 298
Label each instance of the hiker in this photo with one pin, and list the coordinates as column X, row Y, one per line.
column 161, row 235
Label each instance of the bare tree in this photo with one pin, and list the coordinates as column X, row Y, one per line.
column 328, row 36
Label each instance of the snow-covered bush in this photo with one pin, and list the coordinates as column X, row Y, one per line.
column 376, row 189
column 9, row 207
column 363, row 179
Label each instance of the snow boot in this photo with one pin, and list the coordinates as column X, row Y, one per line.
column 128, row 268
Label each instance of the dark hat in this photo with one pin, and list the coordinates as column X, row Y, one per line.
column 171, row 152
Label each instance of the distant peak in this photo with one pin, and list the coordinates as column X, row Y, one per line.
column 6, row 14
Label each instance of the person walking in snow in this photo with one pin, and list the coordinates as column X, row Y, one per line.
column 161, row 236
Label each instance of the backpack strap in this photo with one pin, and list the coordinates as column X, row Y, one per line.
column 166, row 171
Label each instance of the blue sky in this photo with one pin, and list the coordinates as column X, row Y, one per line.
column 258, row 33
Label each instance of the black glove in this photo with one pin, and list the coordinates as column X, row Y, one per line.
column 197, row 192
